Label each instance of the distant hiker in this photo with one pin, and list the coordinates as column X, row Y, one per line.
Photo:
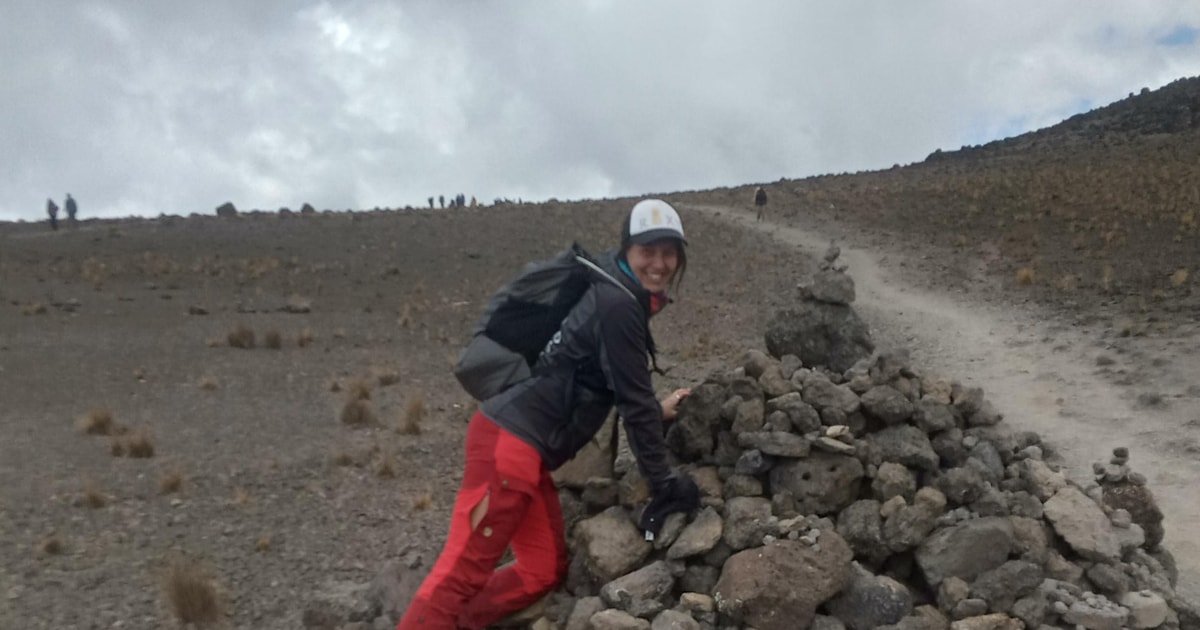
column 598, row 358
column 442, row 201
column 52, row 210
column 71, row 207
column 760, row 201
column 461, row 199
column 473, row 204
column 431, row 203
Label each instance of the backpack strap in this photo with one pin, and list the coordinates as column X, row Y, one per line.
column 650, row 345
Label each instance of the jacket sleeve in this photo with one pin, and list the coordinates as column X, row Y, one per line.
column 623, row 359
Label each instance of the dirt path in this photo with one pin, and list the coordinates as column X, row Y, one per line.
column 1040, row 374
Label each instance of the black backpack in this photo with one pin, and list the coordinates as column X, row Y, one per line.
column 522, row 317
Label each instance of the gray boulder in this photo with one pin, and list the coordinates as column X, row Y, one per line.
column 642, row 593
column 820, row 334
column 1083, row 525
column 887, row 404
column 832, row 287
column 870, row 601
column 747, row 520
column 823, row 394
column 862, row 527
column 699, row 537
column 611, row 544
column 822, row 483
column 1007, row 583
column 780, row 585
column 904, row 444
column 965, row 550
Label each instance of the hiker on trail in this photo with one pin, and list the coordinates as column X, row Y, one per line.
column 473, row 202
column 52, row 210
column 442, row 201
column 596, row 360
column 431, row 203
column 71, row 207
column 760, row 201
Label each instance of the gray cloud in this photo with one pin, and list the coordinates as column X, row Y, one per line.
column 142, row 108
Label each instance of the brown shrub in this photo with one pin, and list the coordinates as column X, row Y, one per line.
column 97, row 422
column 339, row 333
column 305, row 337
column 241, row 337
column 170, row 482
column 388, row 378
column 137, row 445
column 93, row 497
column 387, row 466
column 273, row 340
column 33, row 308
column 423, row 502
column 51, row 545
column 358, row 390
column 410, row 422
column 191, row 593
column 1025, row 276
column 207, row 383
column 342, row 458
column 262, row 544
column 357, row 412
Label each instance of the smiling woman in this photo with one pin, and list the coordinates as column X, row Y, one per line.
column 597, row 360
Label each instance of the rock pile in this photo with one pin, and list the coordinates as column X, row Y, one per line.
column 844, row 489
column 871, row 498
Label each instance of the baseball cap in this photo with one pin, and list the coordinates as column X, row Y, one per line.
column 652, row 220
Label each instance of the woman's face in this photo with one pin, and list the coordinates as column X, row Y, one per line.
column 654, row 264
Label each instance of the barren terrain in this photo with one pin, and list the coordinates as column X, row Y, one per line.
column 1055, row 271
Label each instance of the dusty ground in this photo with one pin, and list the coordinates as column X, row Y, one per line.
column 265, row 501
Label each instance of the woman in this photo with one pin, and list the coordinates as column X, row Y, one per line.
column 507, row 496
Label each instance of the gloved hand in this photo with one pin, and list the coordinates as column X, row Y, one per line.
column 677, row 494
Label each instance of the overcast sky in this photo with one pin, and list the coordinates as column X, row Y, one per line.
column 148, row 107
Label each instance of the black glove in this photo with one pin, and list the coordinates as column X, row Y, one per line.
column 678, row 494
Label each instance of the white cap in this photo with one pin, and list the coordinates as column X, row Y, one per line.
column 651, row 220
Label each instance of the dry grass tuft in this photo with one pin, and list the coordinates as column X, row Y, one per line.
column 273, row 340
column 242, row 497
column 358, row 390
column 414, row 412
column 170, row 482
column 357, row 412
column 93, row 497
column 388, row 378
column 137, row 445
column 339, row 333
column 51, row 545
column 1025, row 276
column 262, row 544
column 342, row 458
column 207, row 383
column 33, row 308
column 1179, row 278
column 241, row 337
column 305, row 337
column 423, row 502
column 191, row 593
column 97, row 422
column 387, row 466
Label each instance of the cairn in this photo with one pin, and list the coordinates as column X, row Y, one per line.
column 842, row 488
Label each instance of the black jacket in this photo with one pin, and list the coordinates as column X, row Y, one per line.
column 599, row 358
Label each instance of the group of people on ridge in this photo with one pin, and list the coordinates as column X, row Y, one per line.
column 52, row 210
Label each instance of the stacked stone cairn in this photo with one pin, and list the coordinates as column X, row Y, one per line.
column 864, row 497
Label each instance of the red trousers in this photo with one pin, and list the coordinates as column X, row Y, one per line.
column 507, row 498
